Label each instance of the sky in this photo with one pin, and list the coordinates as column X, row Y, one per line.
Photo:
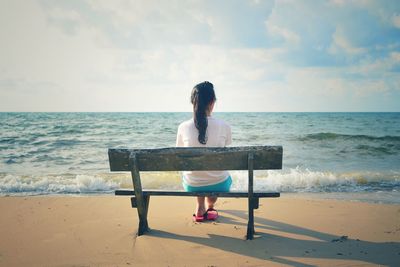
column 144, row 55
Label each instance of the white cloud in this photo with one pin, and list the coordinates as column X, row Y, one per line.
column 65, row 15
column 342, row 43
column 286, row 34
column 395, row 56
column 396, row 20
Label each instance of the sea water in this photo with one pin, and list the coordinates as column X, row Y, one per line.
column 346, row 155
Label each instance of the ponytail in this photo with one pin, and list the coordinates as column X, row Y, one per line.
column 202, row 96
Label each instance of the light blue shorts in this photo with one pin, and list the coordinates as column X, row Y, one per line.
column 220, row 187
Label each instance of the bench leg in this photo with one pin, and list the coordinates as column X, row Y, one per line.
column 250, row 225
column 143, row 224
column 256, row 203
column 252, row 202
column 142, row 201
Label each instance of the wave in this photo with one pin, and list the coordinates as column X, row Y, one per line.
column 335, row 136
column 65, row 131
column 305, row 180
column 13, row 140
column 34, row 142
column 66, row 142
column 56, row 185
column 385, row 149
column 292, row 180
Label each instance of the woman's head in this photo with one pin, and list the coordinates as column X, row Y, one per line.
column 203, row 99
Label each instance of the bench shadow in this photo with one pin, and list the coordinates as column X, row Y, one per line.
column 283, row 242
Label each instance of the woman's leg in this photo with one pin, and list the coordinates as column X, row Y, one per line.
column 211, row 201
column 223, row 187
column 200, row 208
column 212, row 214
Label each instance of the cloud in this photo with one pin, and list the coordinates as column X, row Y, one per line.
column 341, row 43
column 146, row 55
column 396, row 20
column 286, row 34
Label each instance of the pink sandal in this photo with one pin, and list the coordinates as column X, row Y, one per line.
column 199, row 218
column 211, row 214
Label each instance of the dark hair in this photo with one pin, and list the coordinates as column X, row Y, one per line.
column 202, row 95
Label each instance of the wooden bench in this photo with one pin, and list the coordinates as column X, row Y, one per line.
column 188, row 159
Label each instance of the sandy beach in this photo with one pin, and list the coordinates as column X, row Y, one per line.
column 101, row 231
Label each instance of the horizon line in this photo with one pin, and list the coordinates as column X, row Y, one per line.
column 191, row 112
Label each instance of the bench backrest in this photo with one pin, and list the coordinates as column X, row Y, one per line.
column 196, row 158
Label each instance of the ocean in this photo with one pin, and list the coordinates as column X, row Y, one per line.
column 340, row 155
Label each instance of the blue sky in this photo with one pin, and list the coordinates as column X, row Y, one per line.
column 147, row 55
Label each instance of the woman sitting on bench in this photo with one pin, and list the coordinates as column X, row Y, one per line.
column 204, row 131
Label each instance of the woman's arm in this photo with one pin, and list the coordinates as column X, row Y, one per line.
column 228, row 136
column 179, row 140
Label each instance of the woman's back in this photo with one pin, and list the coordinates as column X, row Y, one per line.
column 218, row 135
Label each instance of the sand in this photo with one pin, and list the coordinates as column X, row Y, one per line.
column 101, row 231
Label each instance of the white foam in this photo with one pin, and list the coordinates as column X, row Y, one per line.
column 56, row 184
column 289, row 180
column 305, row 180
column 87, row 183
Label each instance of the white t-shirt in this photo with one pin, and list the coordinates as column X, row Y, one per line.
column 218, row 135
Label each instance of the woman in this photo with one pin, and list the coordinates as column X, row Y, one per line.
column 204, row 131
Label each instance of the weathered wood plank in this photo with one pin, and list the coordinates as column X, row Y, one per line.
column 198, row 158
column 239, row 194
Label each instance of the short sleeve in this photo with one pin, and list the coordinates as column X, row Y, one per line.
column 179, row 140
column 228, row 136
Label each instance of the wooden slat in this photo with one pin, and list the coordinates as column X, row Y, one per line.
column 184, row 193
column 198, row 158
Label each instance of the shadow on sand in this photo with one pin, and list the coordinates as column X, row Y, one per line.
column 277, row 248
